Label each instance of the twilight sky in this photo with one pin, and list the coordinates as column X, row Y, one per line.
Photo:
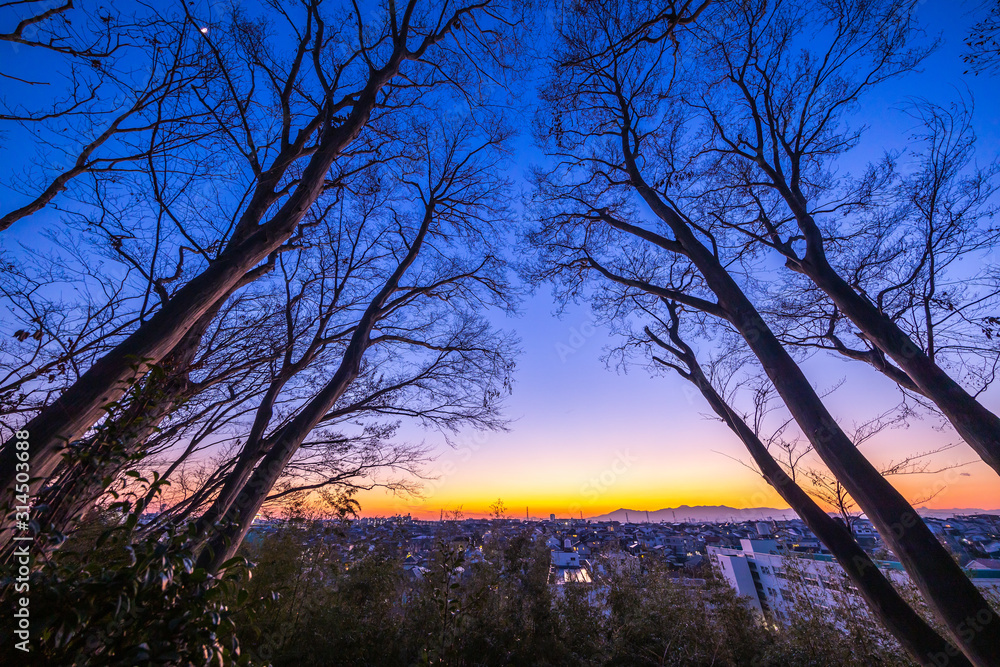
column 586, row 438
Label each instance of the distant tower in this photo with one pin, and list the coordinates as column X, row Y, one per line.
column 647, row 516
column 626, row 517
column 525, row 512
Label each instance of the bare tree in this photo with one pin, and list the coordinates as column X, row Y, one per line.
column 774, row 122
column 920, row 252
column 442, row 249
column 267, row 354
column 607, row 210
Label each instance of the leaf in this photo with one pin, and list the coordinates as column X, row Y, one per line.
column 236, row 560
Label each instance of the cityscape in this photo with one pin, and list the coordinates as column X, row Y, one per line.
column 749, row 555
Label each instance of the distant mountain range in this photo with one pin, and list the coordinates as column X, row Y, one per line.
column 945, row 514
column 722, row 513
column 696, row 513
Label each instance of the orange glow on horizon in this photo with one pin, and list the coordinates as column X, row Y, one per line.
column 970, row 487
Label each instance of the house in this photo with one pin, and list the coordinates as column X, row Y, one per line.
column 562, row 558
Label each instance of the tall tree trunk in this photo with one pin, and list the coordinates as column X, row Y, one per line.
column 255, row 447
column 973, row 623
column 232, row 491
column 239, row 507
column 917, row 637
column 77, row 489
column 979, row 427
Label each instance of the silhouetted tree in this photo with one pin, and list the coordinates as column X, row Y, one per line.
column 773, row 121
column 608, row 209
column 922, row 642
column 439, row 248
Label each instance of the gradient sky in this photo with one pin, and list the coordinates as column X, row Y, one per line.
column 588, row 439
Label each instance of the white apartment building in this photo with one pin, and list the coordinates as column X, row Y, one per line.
column 565, row 558
column 769, row 575
column 566, row 567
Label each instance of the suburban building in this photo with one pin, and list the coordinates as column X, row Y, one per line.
column 772, row 576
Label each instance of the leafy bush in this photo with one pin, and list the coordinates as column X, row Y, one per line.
column 111, row 597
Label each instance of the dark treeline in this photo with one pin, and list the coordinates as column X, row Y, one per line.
column 273, row 234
